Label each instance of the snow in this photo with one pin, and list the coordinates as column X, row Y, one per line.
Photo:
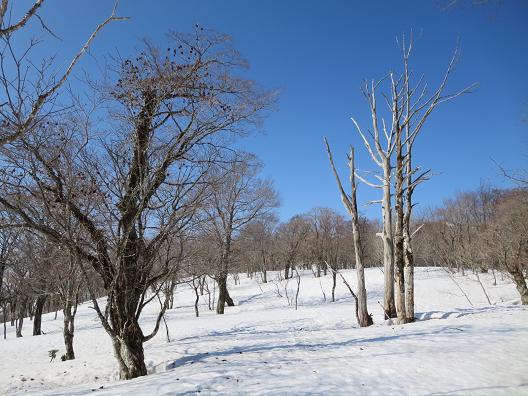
column 264, row 346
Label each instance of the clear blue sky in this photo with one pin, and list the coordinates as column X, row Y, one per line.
column 318, row 53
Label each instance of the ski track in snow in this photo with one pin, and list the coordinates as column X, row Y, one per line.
column 262, row 346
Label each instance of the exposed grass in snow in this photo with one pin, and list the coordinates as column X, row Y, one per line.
column 264, row 346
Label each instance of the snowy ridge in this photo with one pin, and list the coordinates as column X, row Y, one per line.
column 264, row 346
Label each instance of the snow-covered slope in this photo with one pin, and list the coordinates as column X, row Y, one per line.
column 264, row 346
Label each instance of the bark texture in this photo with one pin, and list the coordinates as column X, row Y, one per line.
column 37, row 320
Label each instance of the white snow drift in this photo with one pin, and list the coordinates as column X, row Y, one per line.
column 263, row 346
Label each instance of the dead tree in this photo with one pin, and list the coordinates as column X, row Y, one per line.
column 413, row 107
column 408, row 106
column 381, row 155
column 350, row 203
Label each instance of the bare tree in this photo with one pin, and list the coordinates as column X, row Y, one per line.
column 129, row 191
column 8, row 28
column 292, row 236
column 257, row 240
column 27, row 84
column 237, row 197
column 507, row 238
column 350, row 203
column 409, row 106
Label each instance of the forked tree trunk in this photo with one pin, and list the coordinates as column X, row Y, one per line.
column 128, row 349
column 127, row 336
column 37, row 321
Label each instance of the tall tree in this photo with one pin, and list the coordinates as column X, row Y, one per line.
column 350, row 203
column 128, row 191
column 408, row 106
column 237, row 197
column 292, row 237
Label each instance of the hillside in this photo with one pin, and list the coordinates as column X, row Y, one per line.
column 264, row 346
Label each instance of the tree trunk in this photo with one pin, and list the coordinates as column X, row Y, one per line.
column 222, row 291
column 388, row 249
column 520, row 283
column 69, row 329
column 223, row 294
column 228, row 299
column 19, row 323
column 197, row 299
column 350, row 202
column 264, row 276
column 126, row 335
column 4, row 317
column 128, row 349
column 12, row 308
column 409, row 282
column 202, row 285
column 407, row 242
column 287, row 271
column 363, row 317
column 334, row 281
column 37, row 321
column 399, row 261
column 21, row 314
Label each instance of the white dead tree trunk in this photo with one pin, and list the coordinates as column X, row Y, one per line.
column 414, row 108
column 382, row 157
column 350, row 203
column 408, row 107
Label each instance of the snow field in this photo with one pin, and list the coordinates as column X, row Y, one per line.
column 264, row 346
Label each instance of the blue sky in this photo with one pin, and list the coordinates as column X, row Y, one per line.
column 317, row 53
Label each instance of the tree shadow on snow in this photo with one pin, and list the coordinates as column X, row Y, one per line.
column 457, row 313
column 312, row 347
column 481, row 388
